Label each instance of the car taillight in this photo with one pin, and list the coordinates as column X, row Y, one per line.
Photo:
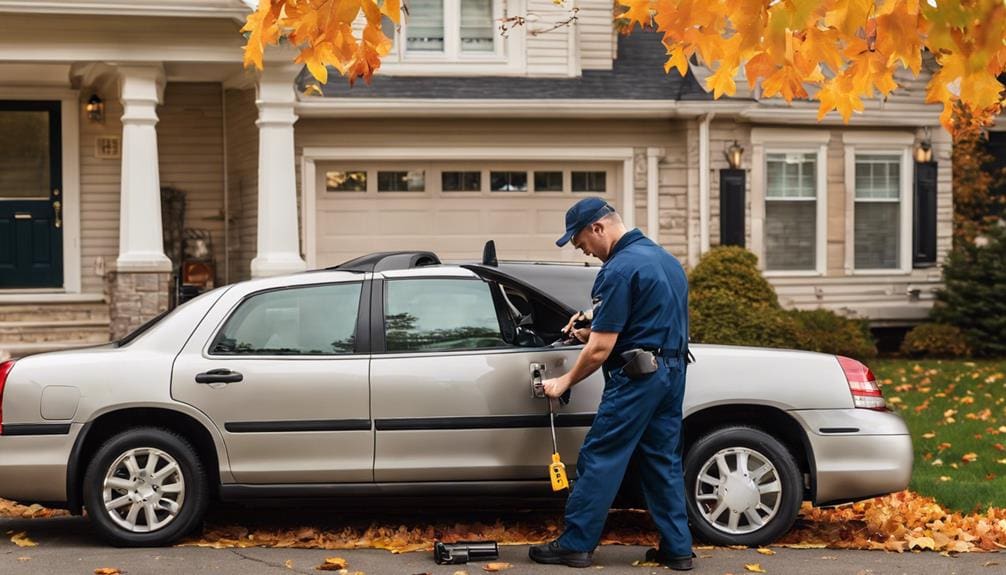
column 5, row 368
column 863, row 385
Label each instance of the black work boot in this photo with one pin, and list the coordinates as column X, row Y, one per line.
column 552, row 554
column 683, row 563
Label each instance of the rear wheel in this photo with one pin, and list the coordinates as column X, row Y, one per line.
column 145, row 487
column 743, row 487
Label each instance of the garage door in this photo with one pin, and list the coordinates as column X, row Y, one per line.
column 452, row 208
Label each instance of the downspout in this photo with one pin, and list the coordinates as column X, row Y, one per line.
column 704, row 193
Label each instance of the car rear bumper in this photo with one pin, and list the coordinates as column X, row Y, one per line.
column 857, row 453
column 33, row 467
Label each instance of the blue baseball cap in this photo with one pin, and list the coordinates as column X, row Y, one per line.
column 581, row 215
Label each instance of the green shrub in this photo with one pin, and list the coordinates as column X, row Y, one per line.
column 826, row 331
column 935, row 340
column 735, row 270
column 974, row 299
column 725, row 317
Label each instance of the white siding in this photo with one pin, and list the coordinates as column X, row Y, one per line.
column 190, row 147
column 99, row 197
column 548, row 54
column 596, row 34
column 242, row 180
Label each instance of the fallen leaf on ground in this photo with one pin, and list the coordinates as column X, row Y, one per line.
column 754, row 568
column 765, row 551
column 332, row 564
column 969, row 457
column 21, row 540
column 990, row 563
column 645, row 564
column 288, row 563
column 499, row 566
column 107, row 571
column 23, row 559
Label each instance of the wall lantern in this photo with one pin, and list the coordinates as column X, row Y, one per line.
column 95, row 109
column 924, row 149
column 734, row 154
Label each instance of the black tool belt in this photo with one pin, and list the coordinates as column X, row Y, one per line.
column 639, row 362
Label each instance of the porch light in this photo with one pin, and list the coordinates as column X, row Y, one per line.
column 734, row 154
column 924, row 149
column 95, row 109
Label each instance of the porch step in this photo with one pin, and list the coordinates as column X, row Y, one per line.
column 61, row 311
column 12, row 332
column 36, row 327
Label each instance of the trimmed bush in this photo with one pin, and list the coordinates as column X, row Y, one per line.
column 727, row 318
column 974, row 299
column 731, row 303
column 826, row 331
column 935, row 340
column 735, row 270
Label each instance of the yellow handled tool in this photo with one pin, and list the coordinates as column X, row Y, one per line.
column 556, row 470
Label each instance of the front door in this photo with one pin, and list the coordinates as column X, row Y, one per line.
column 31, row 201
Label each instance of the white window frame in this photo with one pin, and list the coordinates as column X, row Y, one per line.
column 879, row 143
column 770, row 141
column 505, row 58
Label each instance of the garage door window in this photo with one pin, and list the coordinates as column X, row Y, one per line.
column 316, row 320
column 548, row 181
column 346, row 181
column 589, row 181
column 440, row 314
column 401, row 181
column 461, row 181
column 508, row 181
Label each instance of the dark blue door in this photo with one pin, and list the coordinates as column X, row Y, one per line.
column 31, row 198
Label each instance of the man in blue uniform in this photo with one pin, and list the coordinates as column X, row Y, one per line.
column 640, row 302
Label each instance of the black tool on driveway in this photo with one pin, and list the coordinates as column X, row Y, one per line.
column 464, row 551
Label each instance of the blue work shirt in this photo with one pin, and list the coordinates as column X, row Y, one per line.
column 641, row 292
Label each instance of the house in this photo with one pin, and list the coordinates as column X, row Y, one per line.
column 465, row 135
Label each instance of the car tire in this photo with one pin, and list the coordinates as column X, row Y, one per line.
column 135, row 503
column 742, row 487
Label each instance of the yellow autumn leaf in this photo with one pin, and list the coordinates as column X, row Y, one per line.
column 754, row 568
column 107, row 571
column 722, row 81
column 497, row 566
column 765, row 551
column 21, row 540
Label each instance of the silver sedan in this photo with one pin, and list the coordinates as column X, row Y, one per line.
column 396, row 375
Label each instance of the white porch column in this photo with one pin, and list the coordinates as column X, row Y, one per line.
column 278, row 236
column 141, row 245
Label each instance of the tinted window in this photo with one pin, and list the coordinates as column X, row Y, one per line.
column 317, row 320
column 440, row 314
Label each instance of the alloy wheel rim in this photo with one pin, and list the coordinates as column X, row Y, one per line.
column 143, row 490
column 738, row 491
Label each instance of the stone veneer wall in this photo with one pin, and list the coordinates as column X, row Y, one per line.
column 136, row 298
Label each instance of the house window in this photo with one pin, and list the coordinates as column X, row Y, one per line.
column 425, row 31
column 791, row 225
column 477, row 31
column 451, row 29
column 877, row 211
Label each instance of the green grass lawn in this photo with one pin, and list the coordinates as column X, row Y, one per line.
column 956, row 411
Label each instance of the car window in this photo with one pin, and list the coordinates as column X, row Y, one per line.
column 440, row 314
column 315, row 320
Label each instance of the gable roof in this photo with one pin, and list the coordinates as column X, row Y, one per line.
column 637, row 74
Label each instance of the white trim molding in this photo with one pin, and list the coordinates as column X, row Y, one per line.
column 70, row 135
column 653, row 157
column 311, row 155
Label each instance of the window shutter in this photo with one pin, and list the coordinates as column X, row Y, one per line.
column 924, row 219
column 732, row 207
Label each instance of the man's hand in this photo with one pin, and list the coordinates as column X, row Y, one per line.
column 582, row 334
column 556, row 386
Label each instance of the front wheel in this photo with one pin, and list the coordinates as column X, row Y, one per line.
column 145, row 487
column 743, row 487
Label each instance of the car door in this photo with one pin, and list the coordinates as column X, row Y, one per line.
column 452, row 399
column 284, row 376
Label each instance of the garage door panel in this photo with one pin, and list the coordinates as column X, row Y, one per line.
column 511, row 221
column 459, row 222
column 403, row 222
column 339, row 223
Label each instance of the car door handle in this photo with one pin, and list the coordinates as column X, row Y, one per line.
column 219, row 376
column 537, row 374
